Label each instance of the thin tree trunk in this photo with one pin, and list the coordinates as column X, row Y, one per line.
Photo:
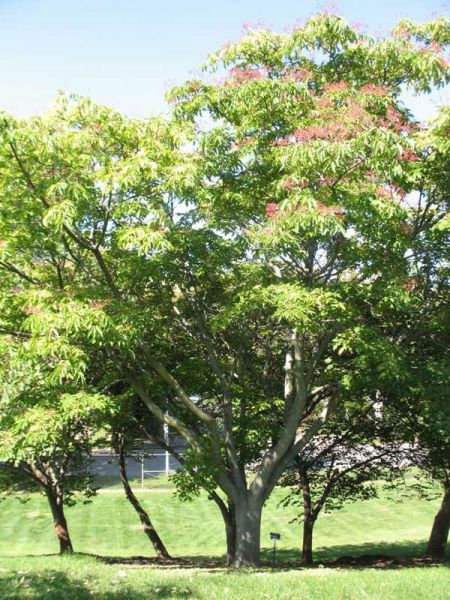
column 59, row 520
column 437, row 542
column 308, row 516
column 307, row 553
column 227, row 512
column 149, row 530
column 248, row 533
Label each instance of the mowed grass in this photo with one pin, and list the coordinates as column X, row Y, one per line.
column 109, row 526
column 83, row 578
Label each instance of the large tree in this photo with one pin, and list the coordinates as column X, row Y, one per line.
column 265, row 225
column 423, row 326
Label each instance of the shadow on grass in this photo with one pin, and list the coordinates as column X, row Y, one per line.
column 350, row 556
column 369, row 555
column 383, row 555
column 405, row 549
column 56, row 585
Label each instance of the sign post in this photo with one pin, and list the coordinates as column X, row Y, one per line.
column 274, row 536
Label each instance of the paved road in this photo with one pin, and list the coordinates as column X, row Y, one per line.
column 104, row 464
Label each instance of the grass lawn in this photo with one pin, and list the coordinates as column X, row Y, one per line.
column 109, row 526
column 82, row 578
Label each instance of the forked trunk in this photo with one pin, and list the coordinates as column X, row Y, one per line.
column 248, row 533
column 55, row 501
column 439, row 533
column 149, row 530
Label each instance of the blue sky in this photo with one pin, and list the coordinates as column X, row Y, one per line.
column 127, row 53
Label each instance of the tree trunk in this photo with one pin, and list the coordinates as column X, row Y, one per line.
column 229, row 518
column 230, row 530
column 248, row 533
column 308, row 517
column 439, row 533
column 149, row 530
column 56, row 506
column 307, row 555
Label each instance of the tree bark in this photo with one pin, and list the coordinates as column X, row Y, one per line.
column 149, row 530
column 437, row 542
column 55, row 501
column 248, row 533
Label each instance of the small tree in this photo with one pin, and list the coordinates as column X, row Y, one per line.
column 340, row 466
column 126, row 431
column 46, row 434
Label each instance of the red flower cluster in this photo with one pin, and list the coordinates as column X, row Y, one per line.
column 241, row 143
column 335, row 131
column 32, row 310
column 289, row 184
column 358, row 26
column 410, row 285
column 383, row 193
column 336, row 86
column 271, row 210
column 407, row 229
column 394, row 120
column 297, row 73
column 375, row 90
column 433, row 47
column 335, row 211
column 94, row 304
column 324, row 103
column 241, row 75
column 323, row 180
column 408, row 155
